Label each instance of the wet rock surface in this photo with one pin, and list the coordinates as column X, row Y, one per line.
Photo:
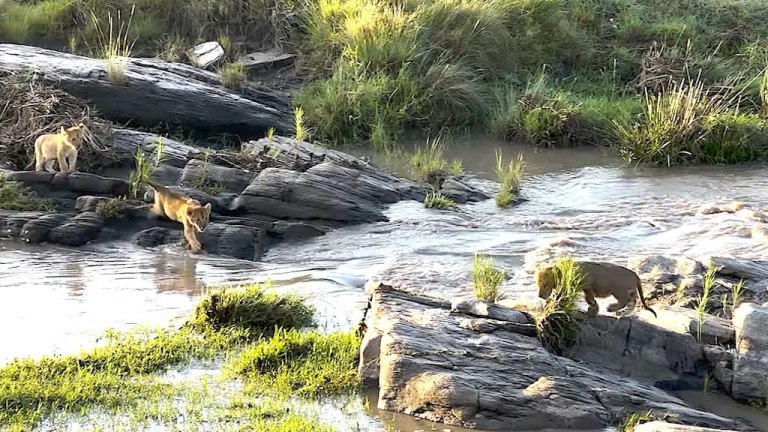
column 274, row 190
column 154, row 91
column 443, row 364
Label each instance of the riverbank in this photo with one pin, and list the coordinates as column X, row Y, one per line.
column 631, row 75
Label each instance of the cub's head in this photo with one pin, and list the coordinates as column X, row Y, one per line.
column 545, row 280
column 198, row 215
column 75, row 134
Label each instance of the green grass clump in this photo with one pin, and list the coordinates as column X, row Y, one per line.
column 438, row 200
column 301, row 363
column 628, row 422
column 250, row 307
column 509, row 176
column 113, row 376
column 233, row 75
column 120, row 373
column 686, row 124
column 14, row 196
column 428, row 162
column 487, row 278
column 557, row 323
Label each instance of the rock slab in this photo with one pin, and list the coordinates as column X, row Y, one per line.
column 445, row 367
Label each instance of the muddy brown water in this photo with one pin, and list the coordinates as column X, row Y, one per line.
column 58, row 300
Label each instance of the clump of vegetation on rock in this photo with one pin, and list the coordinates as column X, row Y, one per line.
column 14, row 196
column 557, row 324
column 110, row 208
column 510, row 176
column 438, row 201
column 428, row 162
column 487, row 278
column 250, row 307
column 628, row 422
column 232, row 75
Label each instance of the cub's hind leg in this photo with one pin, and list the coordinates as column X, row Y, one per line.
column 48, row 165
column 623, row 299
column 594, row 308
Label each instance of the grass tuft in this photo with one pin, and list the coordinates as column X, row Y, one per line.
column 557, row 323
column 487, row 278
column 14, row 196
column 233, row 75
column 439, row 201
column 429, row 162
column 115, row 47
column 703, row 301
column 510, row 176
column 250, row 307
column 301, row 363
column 630, row 421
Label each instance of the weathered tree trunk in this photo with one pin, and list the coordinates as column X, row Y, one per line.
column 154, row 91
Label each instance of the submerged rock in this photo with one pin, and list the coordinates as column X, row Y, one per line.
column 459, row 369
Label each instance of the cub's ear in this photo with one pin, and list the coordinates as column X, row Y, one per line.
column 207, row 208
column 81, row 125
column 63, row 131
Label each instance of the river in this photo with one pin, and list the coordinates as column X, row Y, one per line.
column 58, row 300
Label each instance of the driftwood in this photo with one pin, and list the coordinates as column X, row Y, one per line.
column 154, row 91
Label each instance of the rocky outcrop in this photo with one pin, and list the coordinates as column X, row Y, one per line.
column 154, row 91
column 750, row 366
column 455, row 366
column 67, row 229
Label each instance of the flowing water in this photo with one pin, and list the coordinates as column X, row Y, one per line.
column 57, row 300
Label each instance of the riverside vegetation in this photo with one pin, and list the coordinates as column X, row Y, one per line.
column 260, row 334
column 663, row 82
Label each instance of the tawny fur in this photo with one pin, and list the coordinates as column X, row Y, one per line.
column 601, row 280
column 181, row 208
column 61, row 147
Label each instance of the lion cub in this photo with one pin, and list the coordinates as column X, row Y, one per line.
column 61, row 147
column 181, row 208
column 601, row 280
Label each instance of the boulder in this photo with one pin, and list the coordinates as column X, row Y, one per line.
column 453, row 368
column 750, row 365
column 78, row 230
column 739, row 268
column 236, row 241
column 326, row 192
column 154, row 91
column 461, row 192
column 128, row 141
column 257, row 61
column 205, row 54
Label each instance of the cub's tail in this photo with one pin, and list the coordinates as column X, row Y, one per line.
column 156, row 186
column 642, row 298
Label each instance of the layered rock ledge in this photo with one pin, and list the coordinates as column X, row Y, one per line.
column 480, row 366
